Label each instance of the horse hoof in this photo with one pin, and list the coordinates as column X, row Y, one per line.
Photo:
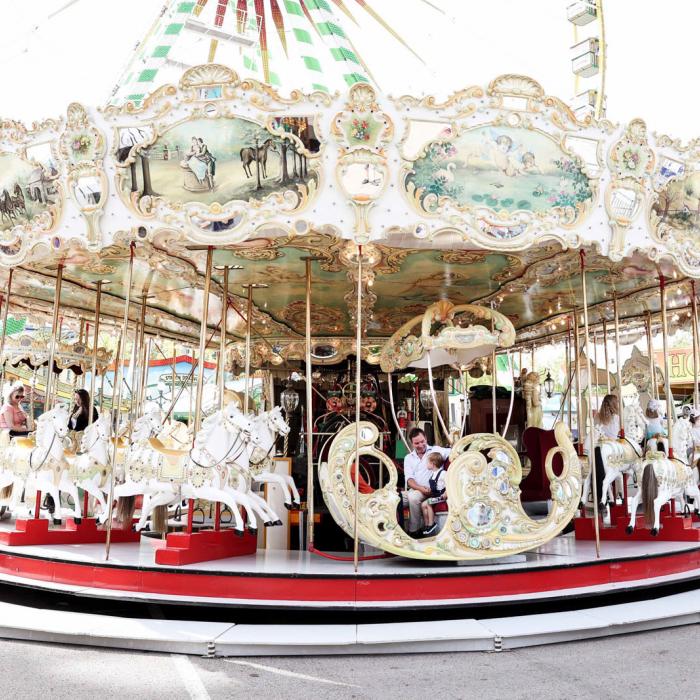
column 252, row 530
column 77, row 521
column 288, row 506
column 629, row 530
column 240, row 533
column 57, row 521
column 654, row 531
column 268, row 523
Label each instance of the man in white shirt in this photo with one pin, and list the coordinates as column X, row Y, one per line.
column 417, row 474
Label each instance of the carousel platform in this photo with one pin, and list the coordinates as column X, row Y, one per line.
column 212, row 639
column 564, row 574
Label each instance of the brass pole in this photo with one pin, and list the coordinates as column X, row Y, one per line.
column 50, row 380
column 138, row 360
column 569, row 370
column 5, row 312
column 358, row 381
column 579, row 393
column 148, row 350
column 95, row 343
column 591, row 447
column 203, row 343
column 494, row 381
column 696, row 345
column 309, row 416
column 117, row 395
column 595, row 370
column 618, row 366
column 605, row 350
column 83, row 332
column 652, row 363
column 132, row 372
column 667, row 368
column 222, row 340
column 248, row 331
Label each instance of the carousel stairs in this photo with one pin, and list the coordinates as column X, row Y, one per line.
column 675, row 527
column 206, row 545
column 33, row 531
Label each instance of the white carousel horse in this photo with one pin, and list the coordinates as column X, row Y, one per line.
column 38, row 464
column 660, row 480
column 635, row 422
column 683, row 443
column 91, row 468
column 620, row 457
column 268, row 426
column 203, row 471
column 141, row 464
column 241, row 472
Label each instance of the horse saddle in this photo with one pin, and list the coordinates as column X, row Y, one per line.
column 173, row 463
column 159, row 447
column 26, row 443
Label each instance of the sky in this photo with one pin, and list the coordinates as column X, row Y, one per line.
column 53, row 52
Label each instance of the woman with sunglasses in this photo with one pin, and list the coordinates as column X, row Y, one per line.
column 12, row 417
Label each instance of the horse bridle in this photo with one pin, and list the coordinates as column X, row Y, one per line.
column 241, row 431
column 48, row 452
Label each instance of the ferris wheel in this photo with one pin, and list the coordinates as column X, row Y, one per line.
column 588, row 57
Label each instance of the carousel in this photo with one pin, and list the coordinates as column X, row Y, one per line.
column 351, row 275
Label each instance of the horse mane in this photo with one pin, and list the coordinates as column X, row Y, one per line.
column 42, row 424
column 207, row 428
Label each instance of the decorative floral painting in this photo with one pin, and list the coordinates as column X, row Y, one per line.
column 506, row 169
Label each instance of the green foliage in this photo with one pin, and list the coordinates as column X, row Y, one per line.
column 426, row 171
column 574, row 186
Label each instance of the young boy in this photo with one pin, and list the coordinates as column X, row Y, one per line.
column 437, row 492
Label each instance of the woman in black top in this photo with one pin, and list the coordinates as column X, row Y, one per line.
column 78, row 420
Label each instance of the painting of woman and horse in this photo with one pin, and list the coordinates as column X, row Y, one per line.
column 222, row 160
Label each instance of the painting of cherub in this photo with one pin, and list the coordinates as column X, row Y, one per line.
column 502, row 168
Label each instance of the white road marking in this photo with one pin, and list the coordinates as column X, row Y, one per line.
column 189, row 676
column 289, row 674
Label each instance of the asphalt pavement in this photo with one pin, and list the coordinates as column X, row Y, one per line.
column 653, row 664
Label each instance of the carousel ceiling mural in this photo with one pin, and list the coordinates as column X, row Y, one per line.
column 484, row 198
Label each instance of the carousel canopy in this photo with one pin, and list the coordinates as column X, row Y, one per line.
column 487, row 198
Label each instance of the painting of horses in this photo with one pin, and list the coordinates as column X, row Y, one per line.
column 26, row 190
column 502, row 168
column 222, row 160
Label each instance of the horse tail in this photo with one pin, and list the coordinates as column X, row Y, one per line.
column 650, row 490
column 125, row 510
column 159, row 519
column 6, row 491
column 243, row 150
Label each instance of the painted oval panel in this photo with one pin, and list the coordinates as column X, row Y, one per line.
column 229, row 159
column 27, row 190
column 504, row 169
column 678, row 205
